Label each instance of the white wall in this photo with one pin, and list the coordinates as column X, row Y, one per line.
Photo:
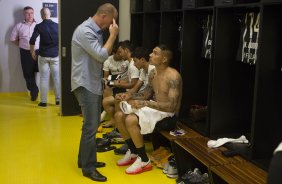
column 11, row 77
column 124, row 20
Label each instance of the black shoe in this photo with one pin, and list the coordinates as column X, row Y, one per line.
column 113, row 134
column 43, row 105
column 97, row 164
column 57, row 102
column 105, row 148
column 95, row 175
column 34, row 95
column 122, row 150
column 100, row 164
column 34, row 98
column 102, row 142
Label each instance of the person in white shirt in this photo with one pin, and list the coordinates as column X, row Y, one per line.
column 122, row 84
column 141, row 61
column 114, row 66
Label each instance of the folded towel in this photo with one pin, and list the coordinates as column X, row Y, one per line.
column 148, row 117
column 222, row 141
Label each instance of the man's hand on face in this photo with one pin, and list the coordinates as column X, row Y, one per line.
column 113, row 29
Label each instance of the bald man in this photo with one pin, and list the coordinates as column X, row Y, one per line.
column 88, row 56
column 48, row 59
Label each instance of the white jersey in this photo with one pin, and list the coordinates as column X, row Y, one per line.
column 116, row 67
column 132, row 72
column 144, row 76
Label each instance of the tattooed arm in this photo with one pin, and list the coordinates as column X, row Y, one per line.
column 174, row 96
column 148, row 91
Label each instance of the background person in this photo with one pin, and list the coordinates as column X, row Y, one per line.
column 141, row 57
column 274, row 171
column 48, row 59
column 121, row 85
column 20, row 36
column 115, row 66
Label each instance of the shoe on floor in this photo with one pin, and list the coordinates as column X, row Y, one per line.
column 34, row 95
column 127, row 159
column 172, row 171
column 165, row 169
column 108, row 124
column 95, row 176
column 118, row 140
column 43, row 105
column 138, row 167
column 33, row 98
column 96, row 164
column 122, row 150
column 113, row 134
column 189, row 175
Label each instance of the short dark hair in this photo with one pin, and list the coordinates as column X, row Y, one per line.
column 166, row 51
column 28, row 8
column 115, row 47
column 126, row 44
column 141, row 52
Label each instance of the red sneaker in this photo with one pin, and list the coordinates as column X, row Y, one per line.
column 127, row 159
column 138, row 167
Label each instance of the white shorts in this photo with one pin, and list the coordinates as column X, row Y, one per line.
column 148, row 117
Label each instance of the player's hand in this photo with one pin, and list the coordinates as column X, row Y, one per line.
column 137, row 104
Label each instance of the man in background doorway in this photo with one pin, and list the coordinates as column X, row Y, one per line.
column 88, row 56
column 48, row 59
column 20, row 36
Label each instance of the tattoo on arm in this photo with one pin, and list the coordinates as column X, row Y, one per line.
column 174, row 92
column 137, row 96
column 148, row 91
column 171, row 105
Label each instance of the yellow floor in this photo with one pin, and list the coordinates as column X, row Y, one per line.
column 40, row 147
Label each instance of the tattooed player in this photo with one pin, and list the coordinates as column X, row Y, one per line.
column 140, row 115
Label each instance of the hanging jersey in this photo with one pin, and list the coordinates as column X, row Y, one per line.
column 207, row 36
column 247, row 52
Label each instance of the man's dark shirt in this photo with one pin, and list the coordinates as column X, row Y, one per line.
column 49, row 38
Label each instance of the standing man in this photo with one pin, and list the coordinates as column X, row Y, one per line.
column 20, row 36
column 88, row 56
column 48, row 59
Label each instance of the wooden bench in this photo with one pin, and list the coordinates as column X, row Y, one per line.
column 189, row 133
column 191, row 150
column 232, row 170
column 197, row 147
column 239, row 173
column 163, row 138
